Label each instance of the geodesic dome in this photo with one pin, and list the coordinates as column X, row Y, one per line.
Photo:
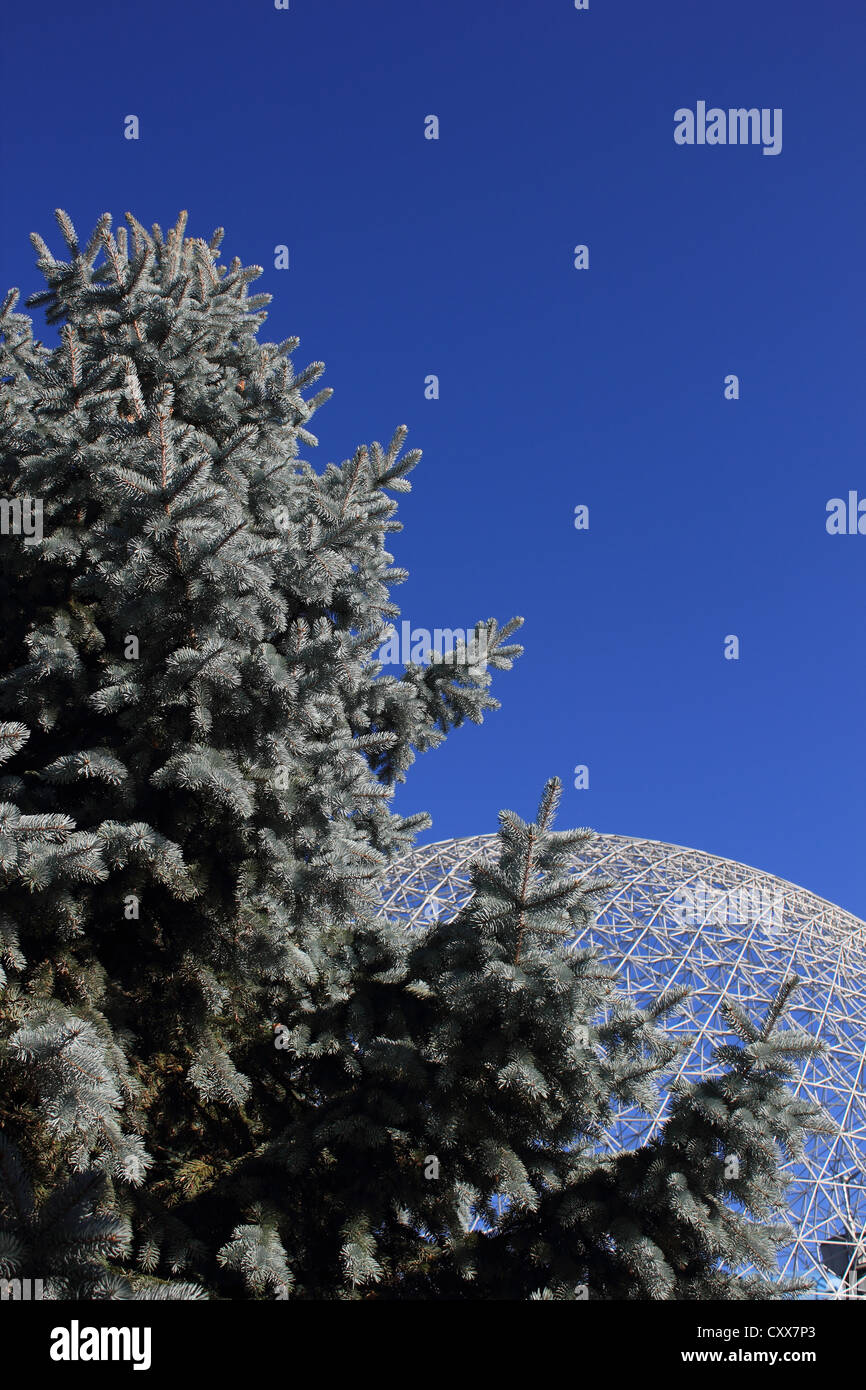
column 680, row 916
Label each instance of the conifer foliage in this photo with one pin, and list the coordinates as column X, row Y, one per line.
column 223, row 1071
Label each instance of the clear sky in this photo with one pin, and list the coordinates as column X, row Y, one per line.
column 557, row 387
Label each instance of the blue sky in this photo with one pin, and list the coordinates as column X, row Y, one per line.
column 558, row 386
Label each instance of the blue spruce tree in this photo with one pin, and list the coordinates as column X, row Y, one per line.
column 223, row 1070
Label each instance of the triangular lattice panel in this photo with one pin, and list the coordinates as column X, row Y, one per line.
column 682, row 916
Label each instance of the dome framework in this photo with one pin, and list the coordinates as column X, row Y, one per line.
column 681, row 916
